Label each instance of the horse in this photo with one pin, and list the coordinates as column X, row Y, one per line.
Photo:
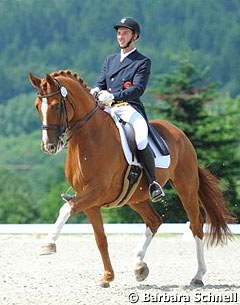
column 95, row 168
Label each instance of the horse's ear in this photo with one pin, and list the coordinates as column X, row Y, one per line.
column 50, row 80
column 34, row 80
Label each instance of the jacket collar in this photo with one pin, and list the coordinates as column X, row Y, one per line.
column 124, row 55
column 118, row 65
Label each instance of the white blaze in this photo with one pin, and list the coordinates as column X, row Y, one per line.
column 44, row 115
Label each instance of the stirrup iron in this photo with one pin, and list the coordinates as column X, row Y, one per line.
column 67, row 197
column 155, row 191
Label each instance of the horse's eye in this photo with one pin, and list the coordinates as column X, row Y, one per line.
column 55, row 107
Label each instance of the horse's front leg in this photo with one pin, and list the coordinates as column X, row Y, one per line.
column 76, row 205
column 49, row 246
column 95, row 217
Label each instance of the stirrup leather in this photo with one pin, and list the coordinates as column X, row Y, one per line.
column 155, row 191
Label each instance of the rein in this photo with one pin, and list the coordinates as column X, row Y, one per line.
column 62, row 129
column 82, row 122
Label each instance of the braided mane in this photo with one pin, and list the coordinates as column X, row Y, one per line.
column 71, row 74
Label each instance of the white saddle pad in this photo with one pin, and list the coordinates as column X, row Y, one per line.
column 160, row 160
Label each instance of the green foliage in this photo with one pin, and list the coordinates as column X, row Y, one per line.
column 18, row 116
column 209, row 120
column 27, row 177
column 16, row 205
column 120, row 215
column 77, row 35
column 68, row 34
column 212, row 127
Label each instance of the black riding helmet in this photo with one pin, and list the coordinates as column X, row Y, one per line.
column 130, row 23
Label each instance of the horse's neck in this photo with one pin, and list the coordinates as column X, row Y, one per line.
column 93, row 146
column 100, row 131
column 94, row 149
column 96, row 142
column 83, row 103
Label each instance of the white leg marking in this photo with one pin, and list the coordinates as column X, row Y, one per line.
column 63, row 216
column 142, row 247
column 44, row 116
column 200, row 258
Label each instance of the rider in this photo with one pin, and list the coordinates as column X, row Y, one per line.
column 122, row 81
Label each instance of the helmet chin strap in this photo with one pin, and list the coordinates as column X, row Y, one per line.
column 128, row 44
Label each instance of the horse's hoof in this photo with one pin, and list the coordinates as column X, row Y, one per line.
column 196, row 283
column 104, row 284
column 48, row 249
column 141, row 272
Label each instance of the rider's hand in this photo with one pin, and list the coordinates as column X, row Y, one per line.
column 105, row 98
column 95, row 91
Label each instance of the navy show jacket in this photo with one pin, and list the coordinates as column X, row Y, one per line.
column 134, row 70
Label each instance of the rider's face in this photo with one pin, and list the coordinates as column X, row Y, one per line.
column 124, row 35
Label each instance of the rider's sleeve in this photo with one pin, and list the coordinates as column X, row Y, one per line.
column 101, row 82
column 139, row 83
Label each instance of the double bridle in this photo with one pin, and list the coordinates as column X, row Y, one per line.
column 64, row 130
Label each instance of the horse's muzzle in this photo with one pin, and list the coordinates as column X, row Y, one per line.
column 52, row 148
column 49, row 148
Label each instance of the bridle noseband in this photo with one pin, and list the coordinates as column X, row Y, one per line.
column 64, row 128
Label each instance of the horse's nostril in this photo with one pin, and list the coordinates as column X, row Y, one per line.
column 51, row 147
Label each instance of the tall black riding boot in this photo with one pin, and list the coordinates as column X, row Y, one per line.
column 146, row 158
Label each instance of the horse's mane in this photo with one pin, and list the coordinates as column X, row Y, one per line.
column 69, row 73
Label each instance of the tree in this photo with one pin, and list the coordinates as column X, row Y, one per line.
column 16, row 205
column 190, row 101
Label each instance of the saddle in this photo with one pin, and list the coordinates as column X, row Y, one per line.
column 134, row 172
column 157, row 143
column 154, row 136
column 158, row 140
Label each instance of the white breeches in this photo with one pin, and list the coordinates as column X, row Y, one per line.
column 131, row 116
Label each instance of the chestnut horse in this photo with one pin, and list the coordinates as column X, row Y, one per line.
column 95, row 168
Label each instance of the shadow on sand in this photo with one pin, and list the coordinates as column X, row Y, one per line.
column 185, row 287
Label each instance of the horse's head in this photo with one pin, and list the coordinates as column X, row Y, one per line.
column 55, row 109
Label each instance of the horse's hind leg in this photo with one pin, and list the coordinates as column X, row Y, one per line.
column 187, row 189
column 197, row 280
column 95, row 217
column 153, row 221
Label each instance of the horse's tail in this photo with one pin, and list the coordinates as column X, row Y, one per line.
column 215, row 207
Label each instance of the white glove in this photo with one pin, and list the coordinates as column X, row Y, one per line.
column 105, row 98
column 95, row 91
